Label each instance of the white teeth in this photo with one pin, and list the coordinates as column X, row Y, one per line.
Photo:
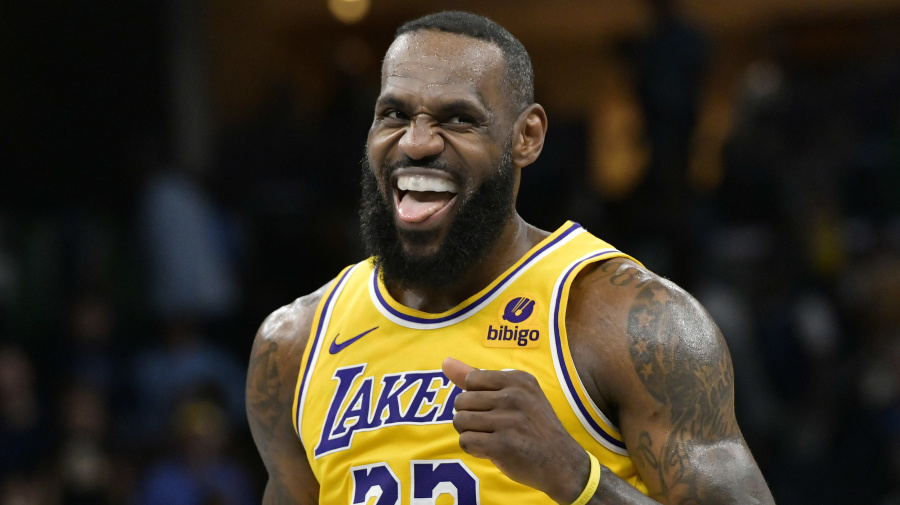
column 425, row 183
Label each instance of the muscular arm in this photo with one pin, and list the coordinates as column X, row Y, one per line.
column 271, row 378
column 668, row 379
column 652, row 359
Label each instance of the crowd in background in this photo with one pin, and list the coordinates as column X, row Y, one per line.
column 126, row 321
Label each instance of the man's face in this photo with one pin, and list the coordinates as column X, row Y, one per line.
column 438, row 151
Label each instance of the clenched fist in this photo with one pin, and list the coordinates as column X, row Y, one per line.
column 505, row 417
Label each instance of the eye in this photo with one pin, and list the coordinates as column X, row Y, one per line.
column 395, row 114
column 460, row 119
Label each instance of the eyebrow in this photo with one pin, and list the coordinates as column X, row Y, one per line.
column 390, row 101
column 453, row 106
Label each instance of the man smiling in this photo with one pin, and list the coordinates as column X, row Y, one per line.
column 484, row 359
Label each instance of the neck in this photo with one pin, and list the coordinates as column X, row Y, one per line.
column 516, row 239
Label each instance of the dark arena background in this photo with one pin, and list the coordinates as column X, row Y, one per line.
column 171, row 172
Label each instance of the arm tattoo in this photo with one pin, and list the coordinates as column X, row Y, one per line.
column 687, row 372
column 274, row 360
column 619, row 274
column 264, row 393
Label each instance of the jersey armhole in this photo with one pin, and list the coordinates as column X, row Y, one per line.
column 588, row 413
column 314, row 344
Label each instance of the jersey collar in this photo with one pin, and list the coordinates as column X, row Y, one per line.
column 410, row 318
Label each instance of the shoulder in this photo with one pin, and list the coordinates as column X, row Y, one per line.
column 278, row 351
column 271, row 379
column 286, row 330
column 622, row 293
column 274, row 367
column 629, row 326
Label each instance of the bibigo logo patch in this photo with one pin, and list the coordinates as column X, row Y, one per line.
column 511, row 332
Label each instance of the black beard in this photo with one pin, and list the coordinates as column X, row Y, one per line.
column 474, row 230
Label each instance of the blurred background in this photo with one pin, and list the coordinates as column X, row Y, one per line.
column 173, row 171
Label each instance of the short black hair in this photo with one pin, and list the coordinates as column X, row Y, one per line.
column 518, row 75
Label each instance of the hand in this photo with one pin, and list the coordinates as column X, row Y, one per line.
column 505, row 417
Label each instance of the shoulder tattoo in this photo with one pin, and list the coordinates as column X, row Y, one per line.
column 268, row 397
column 265, row 389
column 681, row 360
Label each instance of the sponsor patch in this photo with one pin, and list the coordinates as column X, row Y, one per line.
column 512, row 330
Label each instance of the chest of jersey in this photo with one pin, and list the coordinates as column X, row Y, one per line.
column 375, row 412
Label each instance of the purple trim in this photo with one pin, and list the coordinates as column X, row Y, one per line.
column 562, row 363
column 315, row 344
column 471, row 306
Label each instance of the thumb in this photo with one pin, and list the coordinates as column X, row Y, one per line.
column 456, row 371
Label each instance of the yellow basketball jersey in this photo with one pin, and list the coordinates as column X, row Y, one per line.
column 375, row 412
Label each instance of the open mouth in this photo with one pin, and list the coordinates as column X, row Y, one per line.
column 419, row 197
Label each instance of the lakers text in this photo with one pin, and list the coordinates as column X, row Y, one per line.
column 417, row 397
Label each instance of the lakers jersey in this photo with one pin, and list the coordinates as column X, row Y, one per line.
column 374, row 411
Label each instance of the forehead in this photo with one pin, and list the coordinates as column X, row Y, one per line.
column 440, row 59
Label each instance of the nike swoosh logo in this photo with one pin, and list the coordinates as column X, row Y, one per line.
column 335, row 347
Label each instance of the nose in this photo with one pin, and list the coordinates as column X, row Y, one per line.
column 421, row 139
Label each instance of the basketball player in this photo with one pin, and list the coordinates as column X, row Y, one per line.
column 475, row 357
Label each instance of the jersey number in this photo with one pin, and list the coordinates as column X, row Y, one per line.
column 430, row 479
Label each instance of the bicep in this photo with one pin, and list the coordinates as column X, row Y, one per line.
column 269, row 397
column 677, row 411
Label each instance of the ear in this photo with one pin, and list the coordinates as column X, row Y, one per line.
column 530, row 129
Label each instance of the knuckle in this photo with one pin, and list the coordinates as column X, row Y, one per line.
column 508, row 398
column 461, row 419
column 462, row 401
column 518, row 398
column 529, row 380
column 468, row 443
column 528, row 386
column 474, row 379
column 464, row 420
